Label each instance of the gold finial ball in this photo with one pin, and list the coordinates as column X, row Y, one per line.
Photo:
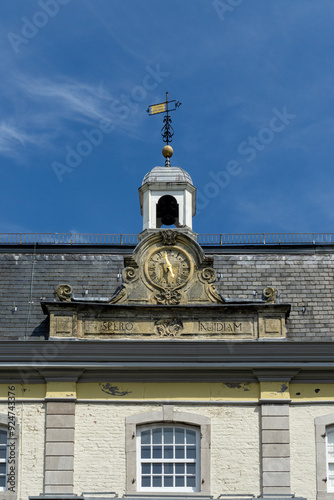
column 167, row 151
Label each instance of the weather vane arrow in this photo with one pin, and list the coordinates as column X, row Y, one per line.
column 167, row 131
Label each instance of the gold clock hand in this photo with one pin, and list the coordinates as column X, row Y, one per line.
column 169, row 265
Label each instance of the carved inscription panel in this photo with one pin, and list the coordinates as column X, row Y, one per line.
column 170, row 327
column 161, row 322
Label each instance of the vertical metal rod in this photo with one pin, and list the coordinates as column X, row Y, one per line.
column 167, row 123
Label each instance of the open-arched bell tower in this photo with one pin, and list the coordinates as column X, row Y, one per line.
column 167, row 196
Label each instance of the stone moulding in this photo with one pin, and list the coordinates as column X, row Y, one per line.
column 220, row 321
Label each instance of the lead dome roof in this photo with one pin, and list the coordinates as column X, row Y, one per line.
column 167, row 174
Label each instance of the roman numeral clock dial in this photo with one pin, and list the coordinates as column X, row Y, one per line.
column 168, row 267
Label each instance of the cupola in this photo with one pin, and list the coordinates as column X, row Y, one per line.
column 167, row 196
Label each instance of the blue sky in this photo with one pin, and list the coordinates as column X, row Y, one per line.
column 255, row 129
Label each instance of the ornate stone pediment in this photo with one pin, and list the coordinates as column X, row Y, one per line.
column 168, row 268
column 168, row 291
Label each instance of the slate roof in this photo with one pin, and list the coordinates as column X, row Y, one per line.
column 304, row 277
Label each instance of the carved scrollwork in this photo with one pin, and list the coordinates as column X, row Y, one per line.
column 130, row 274
column 168, row 327
column 213, row 295
column 169, row 297
column 120, row 295
column 63, row 293
column 169, row 237
column 270, row 295
column 208, row 275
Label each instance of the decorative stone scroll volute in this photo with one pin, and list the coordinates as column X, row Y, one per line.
column 168, row 268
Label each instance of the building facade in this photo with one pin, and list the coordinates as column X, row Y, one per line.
column 166, row 368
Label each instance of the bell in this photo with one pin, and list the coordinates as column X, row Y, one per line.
column 168, row 220
column 167, row 210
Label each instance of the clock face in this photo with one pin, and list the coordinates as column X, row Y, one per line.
column 168, row 267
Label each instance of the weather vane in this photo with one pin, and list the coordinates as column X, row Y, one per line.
column 167, row 131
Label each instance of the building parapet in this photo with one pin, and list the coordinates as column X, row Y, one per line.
column 216, row 240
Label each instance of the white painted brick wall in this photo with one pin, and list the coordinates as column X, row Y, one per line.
column 303, row 452
column 31, row 417
column 100, row 447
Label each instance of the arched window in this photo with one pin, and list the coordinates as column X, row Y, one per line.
column 167, row 451
column 167, row 211
column 168, row 458
column 3, row 459
column 330, row 458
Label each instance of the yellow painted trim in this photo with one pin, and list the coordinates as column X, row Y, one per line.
column 312, row 392
column 61, row 390
column 22, row 391
column 175, row 391
column 275, row 390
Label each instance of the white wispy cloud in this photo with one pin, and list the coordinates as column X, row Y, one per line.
column 11, row 136
column 78, row 101
column 51, row 108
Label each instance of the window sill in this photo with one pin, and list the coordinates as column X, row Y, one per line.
column 167, row 495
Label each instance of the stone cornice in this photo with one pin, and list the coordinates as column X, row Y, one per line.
column 166, row 360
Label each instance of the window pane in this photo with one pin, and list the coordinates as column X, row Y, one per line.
column 330, row 443
column 191, row 481
column 179, row 481
column 168, row 481
column 157, row 468
column 179, row 436
column 179, row 452
column 179, row 468
column 331, row 475
column 168, row 452
column 168, row 458
column 146, row 468
column 3, row 453
column 157, row 481
column 3, row 468
column 168, row 468
column 3, row 437
column 157, row 451
column 191, row 452
column 191, row 437
column 191, row 468
column 145, row 437
column 157, row 436
column 146, row 481
column 168, row 435
column 145, row 452
column 2, row 481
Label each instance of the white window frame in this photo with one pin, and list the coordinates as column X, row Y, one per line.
column 141, row 461
column 329, row 460
column 323, row 425
column 161, row 416
column 4, row 460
